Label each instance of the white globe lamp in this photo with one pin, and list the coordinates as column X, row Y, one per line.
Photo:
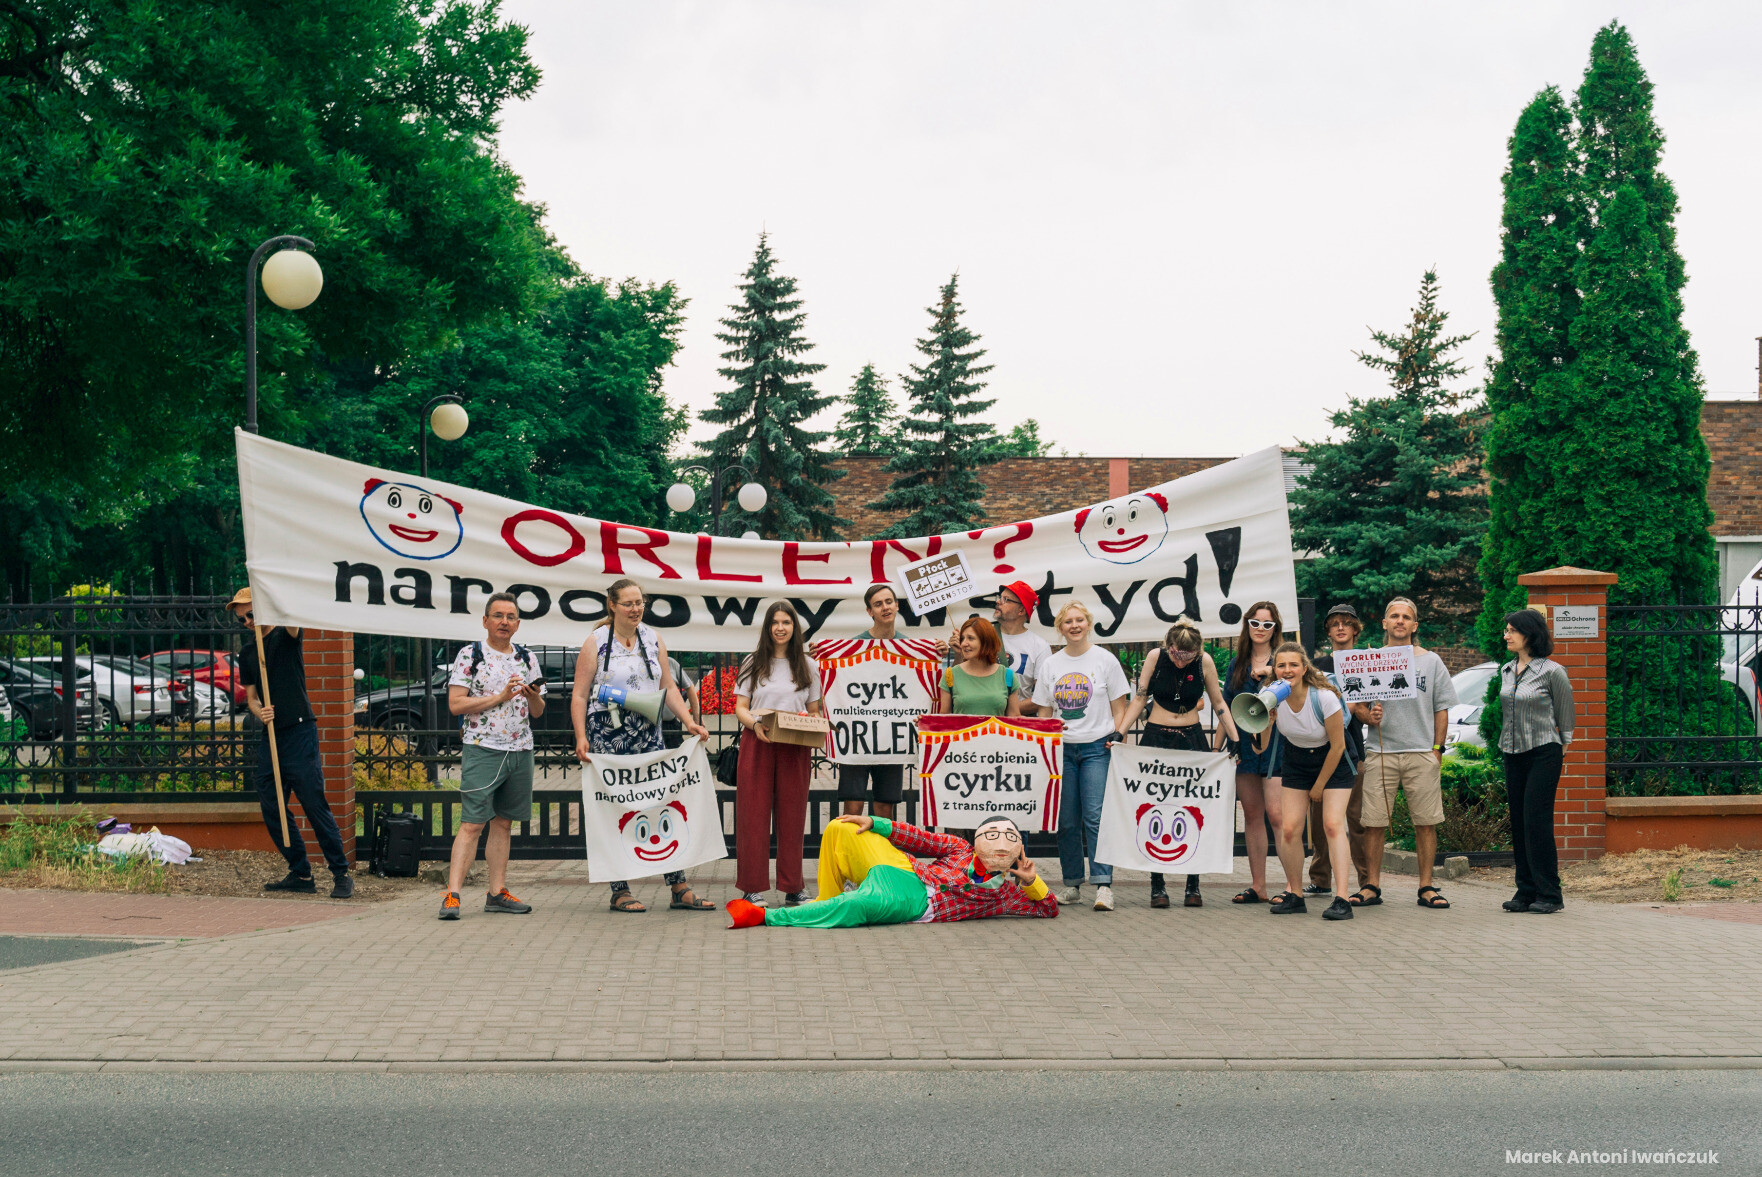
column 749, row 535
column 449, row 421
column 680, row 497
column 292, row 279
column 752, row 498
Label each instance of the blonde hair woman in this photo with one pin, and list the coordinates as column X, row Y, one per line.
column 1083, row 685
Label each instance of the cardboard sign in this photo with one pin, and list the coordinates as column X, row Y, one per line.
column 977, row 765
column 787, row 727
column 873, row 692
column 941, row 580
column 1372, row 676
column 1169, row 810
column 649, row 814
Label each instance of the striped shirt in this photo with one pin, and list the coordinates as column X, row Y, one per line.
column 1537, row 705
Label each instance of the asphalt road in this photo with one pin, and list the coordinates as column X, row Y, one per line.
column 21, row 952
column 975, row 1124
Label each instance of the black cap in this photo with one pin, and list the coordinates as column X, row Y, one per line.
column 1341, row 611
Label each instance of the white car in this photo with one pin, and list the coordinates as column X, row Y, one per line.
column 1471, row 691
column 1740, row 639
column 123, row 690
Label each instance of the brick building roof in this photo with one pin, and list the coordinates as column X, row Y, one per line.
column 1733, row 430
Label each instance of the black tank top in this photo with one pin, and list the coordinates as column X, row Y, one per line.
column 1177, row 689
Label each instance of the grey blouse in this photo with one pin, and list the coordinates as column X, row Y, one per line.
column 1537, row 705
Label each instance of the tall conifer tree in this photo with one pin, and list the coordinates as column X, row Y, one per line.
column 765, row 410
column 870, row 424
column 936, row 472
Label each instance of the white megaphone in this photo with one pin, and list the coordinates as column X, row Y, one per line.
column 647, row 704
column 1254, row 713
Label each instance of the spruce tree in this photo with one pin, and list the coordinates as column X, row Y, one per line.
column 871, row 422
column 943, row 447
column 1394, row 506
column 1536, row 292
column 765, row 410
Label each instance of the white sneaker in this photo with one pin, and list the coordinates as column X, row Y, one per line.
column 1104, row 898
column 1070, row 896
column 756, row 898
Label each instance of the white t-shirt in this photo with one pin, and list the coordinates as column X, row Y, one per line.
column 779, row 692
column 1080, row 690
column 1027, row 652
column 506, row 727
column 1300, row 727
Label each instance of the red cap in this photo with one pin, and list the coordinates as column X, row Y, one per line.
column 1028, row 597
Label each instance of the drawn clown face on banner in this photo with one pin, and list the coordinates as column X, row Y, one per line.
column 1169, row 833
column 654, row 834
column 411, row 521
column 1126, row 530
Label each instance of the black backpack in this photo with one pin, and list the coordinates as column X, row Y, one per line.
column 397, row 845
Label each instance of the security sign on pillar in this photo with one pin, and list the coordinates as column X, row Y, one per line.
column 1576, row 602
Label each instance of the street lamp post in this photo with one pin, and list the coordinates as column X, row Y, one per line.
column 682, row 496
column 292, row 279
column 449, row 422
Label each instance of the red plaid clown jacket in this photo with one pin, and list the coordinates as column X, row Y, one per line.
column 956, row 880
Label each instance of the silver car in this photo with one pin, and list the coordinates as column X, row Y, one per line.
column 1465, row 718
column 123, row 690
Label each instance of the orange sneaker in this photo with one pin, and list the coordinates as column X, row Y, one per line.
column 450, row 906
column 504, row 901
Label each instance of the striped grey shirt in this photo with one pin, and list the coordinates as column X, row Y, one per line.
column 1537, row 705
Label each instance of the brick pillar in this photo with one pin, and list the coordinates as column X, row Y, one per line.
column 1119, row 477
column 330, row 682
column 1579, row 806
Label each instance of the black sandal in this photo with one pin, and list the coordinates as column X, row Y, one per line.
column 626, row 902
column 1287, row 903
column 1358, row 900
column 686, row 901
column 1249, row 895
column 1437, row 902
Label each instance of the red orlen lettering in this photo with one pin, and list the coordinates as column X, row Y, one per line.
column 610, row 546
column 577, row 541
column 704, row 571
column 792, row 559
column 878, row 555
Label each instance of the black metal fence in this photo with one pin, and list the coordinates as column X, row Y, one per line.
column 1684, row 715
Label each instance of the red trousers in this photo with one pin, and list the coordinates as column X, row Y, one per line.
column 773, row 783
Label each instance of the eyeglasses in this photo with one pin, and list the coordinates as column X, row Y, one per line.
column 1263, row 625
column 1000, row 834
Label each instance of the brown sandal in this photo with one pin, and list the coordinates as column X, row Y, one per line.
column 686, row 901
column 626, row 902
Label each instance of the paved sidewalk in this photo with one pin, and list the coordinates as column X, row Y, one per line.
column 103, row 913
column 575, row 981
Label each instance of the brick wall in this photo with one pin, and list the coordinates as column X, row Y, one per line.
column 1733, row 431
column 330, row 683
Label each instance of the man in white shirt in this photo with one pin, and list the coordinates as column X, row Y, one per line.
column 1404, row 749
column 495, row 688
column 1016, row 602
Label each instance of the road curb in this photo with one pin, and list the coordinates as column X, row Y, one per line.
column 680, row 1066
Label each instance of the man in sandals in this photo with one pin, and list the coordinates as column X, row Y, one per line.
column 495, row 689
column 1404, row 749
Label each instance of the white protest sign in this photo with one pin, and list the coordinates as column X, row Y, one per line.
column 1169, row 810
column 648, row 814
column 931, row 584
column 976, row 765
column 874, row 691
column 1372, row 676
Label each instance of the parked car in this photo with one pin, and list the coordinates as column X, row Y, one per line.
column 126, row 690
column 1471, row 691
column 37, row 700
column 218, row 668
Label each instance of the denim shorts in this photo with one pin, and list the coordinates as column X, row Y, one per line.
column 1250, row 761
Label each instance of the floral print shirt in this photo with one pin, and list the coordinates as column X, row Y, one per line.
column 506, row 727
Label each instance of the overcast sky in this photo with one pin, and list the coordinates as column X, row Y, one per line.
column 1173, row 223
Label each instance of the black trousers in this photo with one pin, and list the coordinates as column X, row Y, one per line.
column 1192, row 738
column 1531, row 779
column 303, row 781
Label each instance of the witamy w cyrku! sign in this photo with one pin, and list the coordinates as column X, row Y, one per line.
column 333, row 544
column 1168, row 809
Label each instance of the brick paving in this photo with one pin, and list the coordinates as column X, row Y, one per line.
column 574, row 982
column 73, row 913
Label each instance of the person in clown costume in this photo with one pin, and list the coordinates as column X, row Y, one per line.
column 962, row 881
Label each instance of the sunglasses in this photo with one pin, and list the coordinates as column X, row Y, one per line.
column 1263, row 625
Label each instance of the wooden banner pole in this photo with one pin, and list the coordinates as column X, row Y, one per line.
column 281, row 800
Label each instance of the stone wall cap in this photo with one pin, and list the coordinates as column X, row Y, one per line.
column 1567, row 575
column 1643, row 807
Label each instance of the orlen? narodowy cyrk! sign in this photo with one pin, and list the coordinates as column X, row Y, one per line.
column 332, row 544
column 976, row 765
column 874, row 691
column 649, row 814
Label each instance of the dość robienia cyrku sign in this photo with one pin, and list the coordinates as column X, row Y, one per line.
column 338, row 545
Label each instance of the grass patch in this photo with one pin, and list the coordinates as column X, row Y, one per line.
column 1683, row 875
column 56, row 852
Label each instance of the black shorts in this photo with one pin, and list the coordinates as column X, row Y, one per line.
column 1190, row 736
column 1301, row 766
column 853, row 782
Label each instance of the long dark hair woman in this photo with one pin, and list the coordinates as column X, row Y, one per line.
column 1535, row 698
column 1172, row 683
column 623, row 652
column 773, row 780
column 1251, row 669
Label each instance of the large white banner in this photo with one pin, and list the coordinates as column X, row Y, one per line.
column 874, row 692
column 1169, row 810
column 338, row 545
column 649, row 814
column 976, row 765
